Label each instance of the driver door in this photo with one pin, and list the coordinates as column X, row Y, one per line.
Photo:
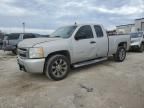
column 84, row 44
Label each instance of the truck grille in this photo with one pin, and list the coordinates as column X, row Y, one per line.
column 23, row 52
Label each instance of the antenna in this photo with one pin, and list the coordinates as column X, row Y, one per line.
column 23, row 25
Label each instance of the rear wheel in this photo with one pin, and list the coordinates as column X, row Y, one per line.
column 57, row 67
column 120, row 54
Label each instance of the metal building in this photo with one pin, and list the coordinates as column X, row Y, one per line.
column 137, row 26
column 124, row 29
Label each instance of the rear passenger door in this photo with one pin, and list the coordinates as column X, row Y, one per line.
column 28, row 36
column 101, row 41
column 84, row 44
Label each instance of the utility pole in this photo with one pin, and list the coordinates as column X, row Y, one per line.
column 23, row 25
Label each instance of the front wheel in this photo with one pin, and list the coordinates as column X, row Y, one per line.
column 120, row 54
column 57, row 68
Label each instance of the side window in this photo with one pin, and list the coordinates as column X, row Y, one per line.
column 85, row 32
column 13, row 36
column 27, row 36
column 99, row 31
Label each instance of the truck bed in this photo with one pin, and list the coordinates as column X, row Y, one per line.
column 115, row 39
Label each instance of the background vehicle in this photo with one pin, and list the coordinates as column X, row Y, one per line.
column 75, row 45
column 11, row 41
column 1, row 43
column 137, row 41
column 1, row 40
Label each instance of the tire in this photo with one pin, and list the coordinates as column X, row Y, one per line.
column 57, row 67
column 120, row 54
column 141, row 49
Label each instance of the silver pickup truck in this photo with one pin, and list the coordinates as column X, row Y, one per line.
column 70, row 46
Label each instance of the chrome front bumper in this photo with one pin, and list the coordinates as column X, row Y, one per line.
column 31, row 65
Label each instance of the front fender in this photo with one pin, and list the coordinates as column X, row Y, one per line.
column 54, row 46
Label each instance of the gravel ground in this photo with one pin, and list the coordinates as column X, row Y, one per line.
column 103, row 85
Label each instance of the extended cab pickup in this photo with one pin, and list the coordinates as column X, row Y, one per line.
column 70, row 46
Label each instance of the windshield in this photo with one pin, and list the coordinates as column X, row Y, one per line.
column 136, row 35
column 63, row 32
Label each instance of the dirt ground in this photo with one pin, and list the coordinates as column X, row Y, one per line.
column 103, row 85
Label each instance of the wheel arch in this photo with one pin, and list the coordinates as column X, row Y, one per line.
column 124, row 44
column 61, row 52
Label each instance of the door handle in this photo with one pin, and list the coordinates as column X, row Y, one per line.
column 92, row 42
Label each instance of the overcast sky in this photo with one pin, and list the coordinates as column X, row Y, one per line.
column 43, row 16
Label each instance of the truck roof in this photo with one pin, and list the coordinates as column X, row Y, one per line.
column 82, row 24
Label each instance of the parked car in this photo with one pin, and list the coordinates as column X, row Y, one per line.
column 137, row 41
column 11, row 41
column 74, row 45
column 1, row 43
column 1, row 40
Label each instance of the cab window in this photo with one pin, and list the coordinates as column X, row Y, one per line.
column 99, row 31
column 85, row 32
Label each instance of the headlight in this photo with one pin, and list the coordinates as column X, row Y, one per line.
column 36, row 53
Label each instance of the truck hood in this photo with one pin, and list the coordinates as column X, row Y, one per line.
column 32, row 42
column 135, row 40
